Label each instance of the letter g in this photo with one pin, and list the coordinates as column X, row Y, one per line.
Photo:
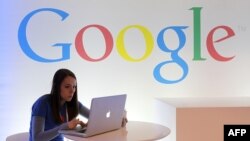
column 22, row 38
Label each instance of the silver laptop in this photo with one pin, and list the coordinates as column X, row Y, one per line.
column 106, row 114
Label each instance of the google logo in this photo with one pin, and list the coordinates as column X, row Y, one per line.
column 121, row 48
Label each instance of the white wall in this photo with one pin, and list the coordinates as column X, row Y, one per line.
column 23, row 80
column 165, row 114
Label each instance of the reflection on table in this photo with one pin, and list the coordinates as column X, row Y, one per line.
column 134, row 131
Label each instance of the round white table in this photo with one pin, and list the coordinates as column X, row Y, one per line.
column 24, row 136
column 134, row 131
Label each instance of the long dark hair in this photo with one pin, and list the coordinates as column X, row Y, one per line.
column 72, row 106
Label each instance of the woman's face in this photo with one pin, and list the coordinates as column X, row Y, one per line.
column 68, row 88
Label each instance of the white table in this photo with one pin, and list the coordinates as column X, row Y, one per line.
column 134, row 131
column 24, row 136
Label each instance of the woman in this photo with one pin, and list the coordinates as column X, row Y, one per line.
column 57, row 110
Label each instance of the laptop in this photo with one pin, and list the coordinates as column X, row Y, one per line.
column 105, row 115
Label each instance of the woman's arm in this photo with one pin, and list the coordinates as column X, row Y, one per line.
column 38, row 133
column 84, row 111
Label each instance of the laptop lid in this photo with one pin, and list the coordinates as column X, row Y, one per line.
column 106, row 114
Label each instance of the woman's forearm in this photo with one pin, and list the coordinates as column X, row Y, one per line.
column 38, row 133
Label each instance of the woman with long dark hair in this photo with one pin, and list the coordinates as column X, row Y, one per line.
column 57, row 110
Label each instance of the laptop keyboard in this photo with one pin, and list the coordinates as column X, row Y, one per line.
column 82, row 130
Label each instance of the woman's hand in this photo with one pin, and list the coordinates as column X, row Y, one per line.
column 124, row 119
column 74, row 122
